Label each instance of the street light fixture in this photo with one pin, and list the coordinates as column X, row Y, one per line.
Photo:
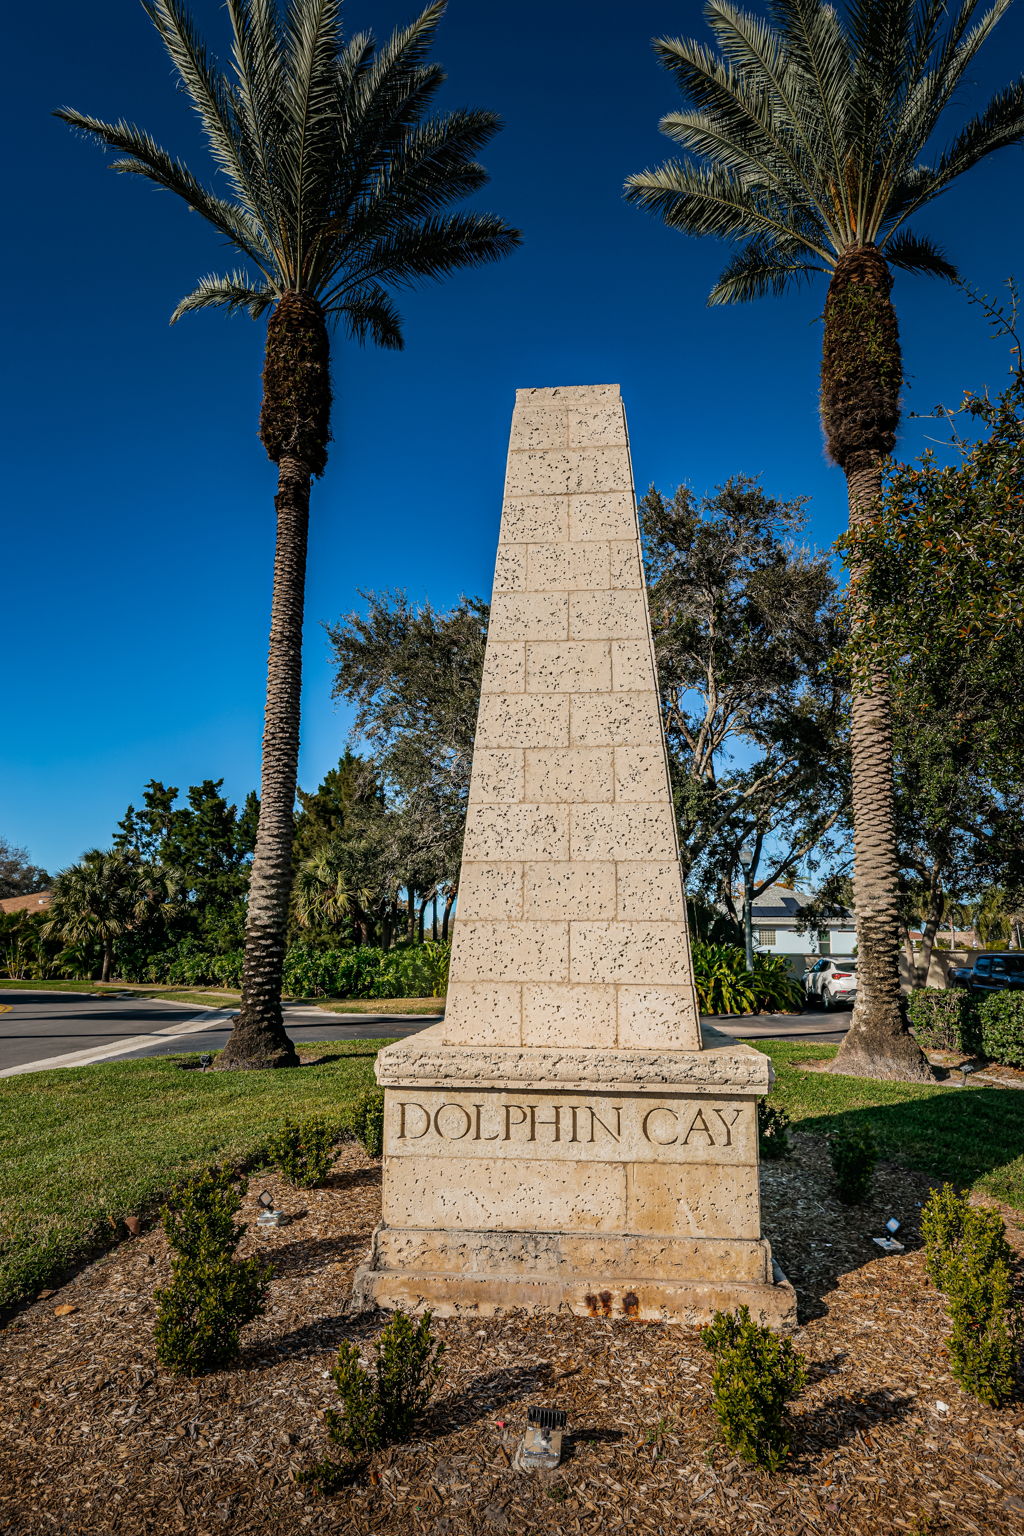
column 747, row 864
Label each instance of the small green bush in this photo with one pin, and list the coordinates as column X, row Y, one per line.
column 756, row 1374
column 854, row 1155
column 956, row 1232
column 1002, row 1028
column 968, row 1257
column 212, row 1295
column 380, row 1406
column 303, row 1151
column 986, row 1336
column 367, row 1120
column 944, row 1018
column 773, row 1125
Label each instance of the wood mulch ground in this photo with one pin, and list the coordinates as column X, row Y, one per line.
column 96, row 1439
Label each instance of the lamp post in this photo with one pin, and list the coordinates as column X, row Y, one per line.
column 746, row 864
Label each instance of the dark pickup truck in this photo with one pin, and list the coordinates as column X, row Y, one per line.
column 997, row 973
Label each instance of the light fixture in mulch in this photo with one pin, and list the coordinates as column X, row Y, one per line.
column 541, row 1447
column 268, row 1217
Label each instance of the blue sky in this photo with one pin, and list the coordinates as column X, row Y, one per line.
column 139, row 530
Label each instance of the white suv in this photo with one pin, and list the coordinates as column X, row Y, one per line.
column 833, row 981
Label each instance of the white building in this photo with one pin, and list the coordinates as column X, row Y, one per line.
column 777, row 931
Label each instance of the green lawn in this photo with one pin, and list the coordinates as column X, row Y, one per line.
column 971, row 1136
column 81, row 1148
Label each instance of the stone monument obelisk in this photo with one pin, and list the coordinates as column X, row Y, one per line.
column 566, row 1138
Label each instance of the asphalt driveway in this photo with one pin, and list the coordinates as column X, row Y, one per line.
column 39, row 1029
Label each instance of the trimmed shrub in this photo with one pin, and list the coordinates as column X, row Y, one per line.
column 772, row 1131
column 367, row 1120
column 944, row 1018
column 303, row 1151
column 1002, row 1028
column 969, row 1258
column 956, row 1232
column 854, row 1154
column 212, row 1295
column 756, row 1374
column 380, row 1406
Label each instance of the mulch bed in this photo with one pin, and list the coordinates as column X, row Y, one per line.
column 95, row 1438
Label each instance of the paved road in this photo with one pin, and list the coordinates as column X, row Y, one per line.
column 49, row 1027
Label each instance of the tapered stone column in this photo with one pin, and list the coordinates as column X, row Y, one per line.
column 567, row 1138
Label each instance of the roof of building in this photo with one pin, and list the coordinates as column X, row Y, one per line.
column 37, row 902
column 783, row 902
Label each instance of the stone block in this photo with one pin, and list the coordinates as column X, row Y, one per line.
column 658, row 1018
column 641, row 774
column 596, row 426
column 505, row 668
column 624, row 569
column 561, row 890
column 529, row 616
column 523, row 720
column 633, row 665
column 573, row 774
column 570, row 666
column 535, row 519
column 491, row 1194
column 572, row 471
column 566, row 567
column 613, row 719
column 564, row 1015
column 609, row 616
column 490, row 892
column 539, row 430
column 510, row 568
column 630, row 952
column 498, row 777
column 505, row 951
column 685, row 1200
column 622, row 831
column 477, row 1011
column 510, row 833
column 649, row 890
column 610, row 516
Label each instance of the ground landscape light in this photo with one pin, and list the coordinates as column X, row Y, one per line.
column 541, row 1447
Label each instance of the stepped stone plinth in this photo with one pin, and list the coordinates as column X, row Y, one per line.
column 567, row 1138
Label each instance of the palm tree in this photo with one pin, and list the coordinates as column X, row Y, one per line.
column 806, row 137
column 337, row 183
column 98, row 900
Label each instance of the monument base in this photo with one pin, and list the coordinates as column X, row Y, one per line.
column 605, row 1183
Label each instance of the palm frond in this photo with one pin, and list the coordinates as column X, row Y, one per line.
column 703, row 200
column 371, row 312
column 918, row 253
column 437, row 246
column 759, row 269
column 235, row 291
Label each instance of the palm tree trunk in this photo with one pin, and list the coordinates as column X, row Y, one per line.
column 294, row 426
column 861, row 374
column 107, row 958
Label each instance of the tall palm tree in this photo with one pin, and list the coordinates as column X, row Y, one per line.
column 337, row 182
column 806, row 137
column 101, row 898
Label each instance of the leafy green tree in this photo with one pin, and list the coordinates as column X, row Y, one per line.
column 414, row 676
column 206, row 847
column 805, row 139
column 17, row 876
column 102, row 898
column 337, row 186
column 745, row 625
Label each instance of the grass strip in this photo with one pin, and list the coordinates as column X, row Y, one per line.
column 81, row 1148
column 972, row 1136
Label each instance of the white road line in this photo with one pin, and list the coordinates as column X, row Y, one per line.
column 208, row 1020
